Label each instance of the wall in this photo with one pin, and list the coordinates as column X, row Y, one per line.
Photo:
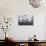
column 13, row 8
column 17, row 7
column 24, row 32
column 45, row 28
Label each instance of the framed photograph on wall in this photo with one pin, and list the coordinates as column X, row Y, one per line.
column 25, row 20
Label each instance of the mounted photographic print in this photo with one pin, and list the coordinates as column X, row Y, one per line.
column 25, row 20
